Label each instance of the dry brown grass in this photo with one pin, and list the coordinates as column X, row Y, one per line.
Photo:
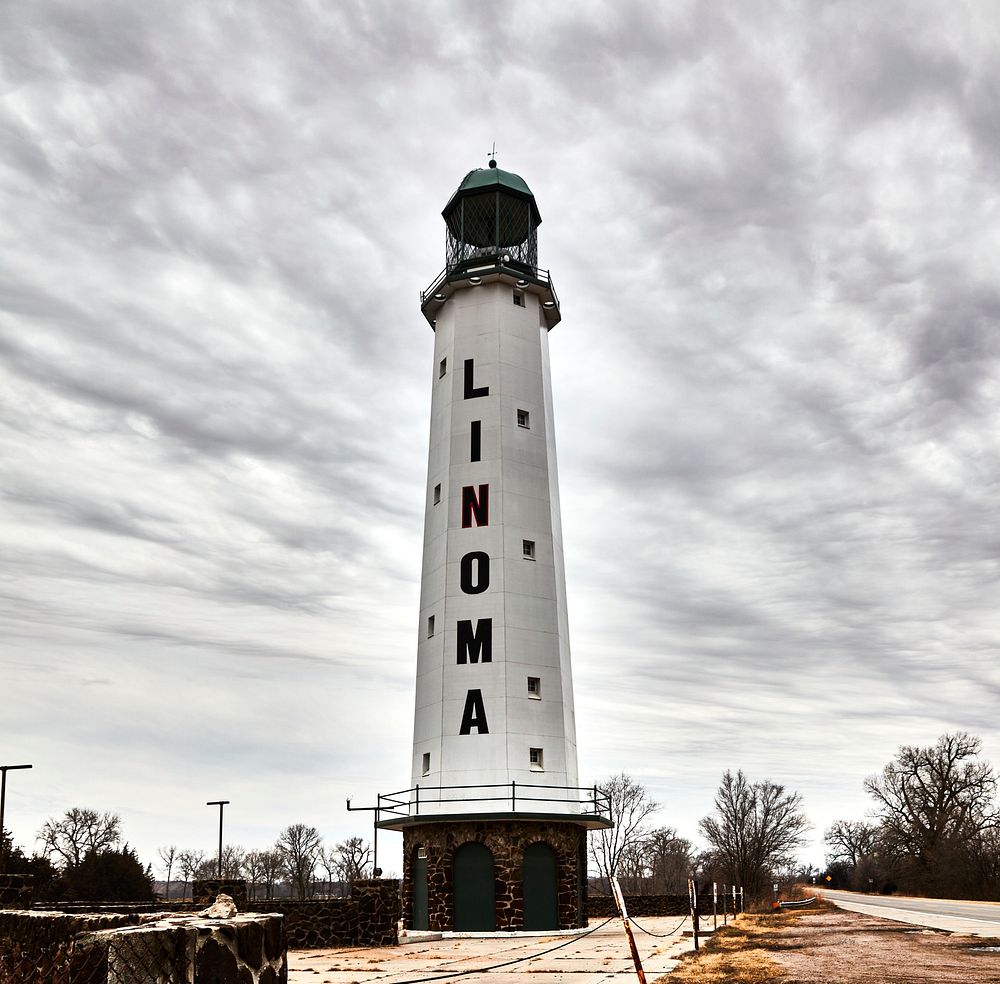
column 737, row 953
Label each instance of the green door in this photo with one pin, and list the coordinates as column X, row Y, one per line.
column 418, row 872
column 475, row 889
column 541, row 888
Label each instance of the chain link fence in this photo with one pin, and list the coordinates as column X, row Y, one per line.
column 55, row 948
column 122, row 956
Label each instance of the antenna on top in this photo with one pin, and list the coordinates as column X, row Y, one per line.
column 493, row 155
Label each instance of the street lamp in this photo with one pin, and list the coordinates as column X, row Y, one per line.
column 4, row 769
column 221, row 804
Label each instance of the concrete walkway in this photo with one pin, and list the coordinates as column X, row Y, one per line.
column 601, row 956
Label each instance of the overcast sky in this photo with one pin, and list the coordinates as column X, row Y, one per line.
column 774, row 231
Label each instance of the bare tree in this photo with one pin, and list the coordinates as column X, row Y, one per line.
column 271, row 863
column 232, row 860
column 168, row 855
column 755, row 831
column 668, row 860
column 933, row 804
column 77, row 833
column 299, row 847
column 849, row 841
column 190, row 862
column 630, row 806
column 352, row 859
column 253, row 871
column 328, row 862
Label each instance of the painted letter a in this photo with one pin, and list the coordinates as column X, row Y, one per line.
column 474, row 715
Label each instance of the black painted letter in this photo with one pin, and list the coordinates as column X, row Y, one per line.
column 475, row 507
column 470, row 387
column 475, row 646
column 476, row 442
column 481, row 562
column 474, row 715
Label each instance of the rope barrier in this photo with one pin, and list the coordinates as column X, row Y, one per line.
column 642, row 929
column 506, row 963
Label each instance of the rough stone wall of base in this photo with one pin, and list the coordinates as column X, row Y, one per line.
column 507, row 840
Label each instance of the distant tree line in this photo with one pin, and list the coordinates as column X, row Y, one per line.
column 298, row 865
column 82, row 859
column 934, row 827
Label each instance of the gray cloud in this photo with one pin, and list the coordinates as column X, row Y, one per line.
column 773, row 234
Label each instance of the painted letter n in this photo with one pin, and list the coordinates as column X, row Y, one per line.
column 475, row 506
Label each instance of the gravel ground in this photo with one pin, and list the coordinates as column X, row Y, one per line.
column 840, row 947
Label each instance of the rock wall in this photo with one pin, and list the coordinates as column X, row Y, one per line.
column 38, row 947
column 15, row 891
column 602, row 906
column 56, row 948
column 246, row 949
column 507, row 840
column 205, row 890
column 368, row 917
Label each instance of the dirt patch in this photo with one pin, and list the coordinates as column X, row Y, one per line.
column 833, row 946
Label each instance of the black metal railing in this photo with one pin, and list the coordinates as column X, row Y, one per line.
column 491, row 265
column 582, row 800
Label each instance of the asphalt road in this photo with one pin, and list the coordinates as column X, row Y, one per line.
column 973, row 918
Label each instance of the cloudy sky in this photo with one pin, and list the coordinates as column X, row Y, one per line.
column 774, row 230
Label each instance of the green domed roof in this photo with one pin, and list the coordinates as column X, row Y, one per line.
column 483, row 180
column 487, row 177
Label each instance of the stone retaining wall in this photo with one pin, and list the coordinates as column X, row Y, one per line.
column 602, row 906
column 15, row 891
column 368, row 917
column 204, row 891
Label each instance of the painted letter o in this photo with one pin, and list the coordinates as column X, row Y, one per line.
column 475, row 578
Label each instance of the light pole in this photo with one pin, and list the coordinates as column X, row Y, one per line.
column 221, row 804
column 4, row 769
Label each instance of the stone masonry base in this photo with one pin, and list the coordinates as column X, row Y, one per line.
column 507, row 840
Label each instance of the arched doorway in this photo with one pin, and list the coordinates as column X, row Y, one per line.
column 418, row 878
column 541, row 887
column 475, row 889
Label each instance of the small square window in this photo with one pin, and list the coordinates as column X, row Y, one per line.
column 430, row 626
column 437, row 493
column 442, row 368
column 535, row 688
column 528, row 549
column 422, row 851
column 425, row 766
column 523, row 418
column 518, row 298
column 535, row 757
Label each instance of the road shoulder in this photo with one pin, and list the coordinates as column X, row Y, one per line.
column 834, row 945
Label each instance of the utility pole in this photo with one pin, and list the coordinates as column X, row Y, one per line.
column 4, row 769
column 221, row 804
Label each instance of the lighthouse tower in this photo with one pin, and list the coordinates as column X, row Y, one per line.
column 494, row 821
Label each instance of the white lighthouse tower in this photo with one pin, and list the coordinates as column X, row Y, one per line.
column 495, row 821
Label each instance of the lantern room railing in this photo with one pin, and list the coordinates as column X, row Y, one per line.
column 489, row 266
column 511, row 797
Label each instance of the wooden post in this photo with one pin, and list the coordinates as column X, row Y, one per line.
column 620, row 899
column 715, row 906
column 693, row 901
